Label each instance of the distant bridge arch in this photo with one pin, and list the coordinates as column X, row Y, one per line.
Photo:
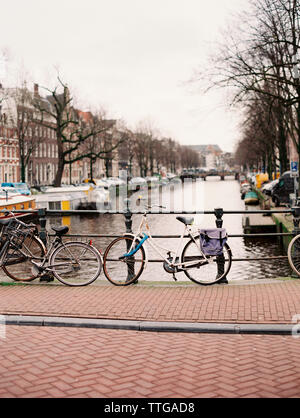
column 213, row 173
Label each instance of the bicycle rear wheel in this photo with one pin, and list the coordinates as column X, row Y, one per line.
column 125, row 271
column 294, row 254
column 205, row 272
column 18, row 265
column 75, row 263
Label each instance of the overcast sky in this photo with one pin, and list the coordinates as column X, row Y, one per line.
column 131, row 57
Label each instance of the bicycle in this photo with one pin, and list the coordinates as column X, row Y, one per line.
column 294, row 254
column 125, row 258
column 24, row 257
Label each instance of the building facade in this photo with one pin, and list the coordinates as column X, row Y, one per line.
column 24, row 138
column 9, row 155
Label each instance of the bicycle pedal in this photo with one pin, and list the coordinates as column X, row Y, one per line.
column 46, row 278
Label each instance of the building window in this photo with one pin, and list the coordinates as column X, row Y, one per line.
column 55, row 205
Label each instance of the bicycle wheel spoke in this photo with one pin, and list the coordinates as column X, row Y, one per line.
column 294, row 254
column 75, row 264
column 18, row 265
column 207, row 270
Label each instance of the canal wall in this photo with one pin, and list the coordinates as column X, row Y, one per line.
column 274, row 223
column 259, row 223
column 283, row 223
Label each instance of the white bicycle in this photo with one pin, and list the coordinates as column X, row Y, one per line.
column 125, row 258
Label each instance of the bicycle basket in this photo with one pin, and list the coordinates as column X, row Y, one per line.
column 16, row 233
column 212, row 240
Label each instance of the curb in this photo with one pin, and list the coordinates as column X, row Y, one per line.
column 187, row 327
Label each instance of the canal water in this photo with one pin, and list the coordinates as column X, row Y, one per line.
column 190, row 196
column 202, row 195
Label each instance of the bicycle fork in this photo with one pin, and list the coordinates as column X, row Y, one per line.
column 135, row 249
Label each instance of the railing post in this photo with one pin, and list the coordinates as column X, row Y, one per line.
column 128, row 217
column 219, row 214
column 220, row 259
column 128, row 224
column 42, row 222
column 43, row 236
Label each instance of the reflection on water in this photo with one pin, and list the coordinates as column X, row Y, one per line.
column 200, row 196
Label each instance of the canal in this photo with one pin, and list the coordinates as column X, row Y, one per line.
column 202, row 195
column 191, row 196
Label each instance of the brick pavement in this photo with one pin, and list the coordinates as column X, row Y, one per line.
column 260, row 303
column 74, row 362
column 81, row 362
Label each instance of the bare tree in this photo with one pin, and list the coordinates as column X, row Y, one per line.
column 26, row 127
column 58, row 114
column 259, row 54
column 127, row 149
column 102, row 144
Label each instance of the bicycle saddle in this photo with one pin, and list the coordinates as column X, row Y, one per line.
column 60, row 230
column 185, row 221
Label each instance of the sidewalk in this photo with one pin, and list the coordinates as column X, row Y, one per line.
column 87, row 342
column 266, row 302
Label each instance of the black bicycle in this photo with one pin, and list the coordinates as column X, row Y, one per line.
column 24, row 257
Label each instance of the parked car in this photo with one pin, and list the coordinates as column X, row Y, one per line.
column 101, row 183
column 268, row 187
column 152, row 181
column 170, row 176
column 282, row 190
column 116, row 180
column 111, row 181
column 21, row 188
column 136, row 183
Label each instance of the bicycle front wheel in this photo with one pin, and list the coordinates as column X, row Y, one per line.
column 294, row 254
column 75, row 263
column 18, row 266
column 201, row 271
column 123, row 271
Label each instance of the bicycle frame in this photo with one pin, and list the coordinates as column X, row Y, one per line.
column 143, row 237
column 44, row 266
column 4, row 247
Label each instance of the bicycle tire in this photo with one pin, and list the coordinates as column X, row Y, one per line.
column 126, row 271
column 19, row 267
column 206, row 273
column 75, row 263
column 294, row 254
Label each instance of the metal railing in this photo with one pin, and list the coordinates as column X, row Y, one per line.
column 42, row 215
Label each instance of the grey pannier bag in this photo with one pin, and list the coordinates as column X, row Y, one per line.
column 212, row 240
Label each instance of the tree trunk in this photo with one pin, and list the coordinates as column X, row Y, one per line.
column 59, row 173
column 23, row 176
column 91, row 169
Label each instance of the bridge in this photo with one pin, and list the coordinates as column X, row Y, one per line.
column 201, row 174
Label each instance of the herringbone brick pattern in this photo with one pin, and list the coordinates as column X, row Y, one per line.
column 75, row 362
column 261, row 303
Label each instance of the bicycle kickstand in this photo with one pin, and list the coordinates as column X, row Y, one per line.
column 174, row 277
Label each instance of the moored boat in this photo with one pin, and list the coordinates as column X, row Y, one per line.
column 62, row 198
column 11, row 200
column 251, row 198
